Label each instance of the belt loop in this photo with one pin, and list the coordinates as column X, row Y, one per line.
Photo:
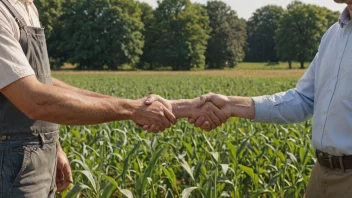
column 341, row 164
column 330, row 162
column 42, row 139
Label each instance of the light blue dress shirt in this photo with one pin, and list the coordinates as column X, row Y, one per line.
column 324, row 92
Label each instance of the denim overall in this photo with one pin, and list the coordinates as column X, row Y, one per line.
column 28, row 149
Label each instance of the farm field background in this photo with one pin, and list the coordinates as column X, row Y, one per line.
column 239, row 159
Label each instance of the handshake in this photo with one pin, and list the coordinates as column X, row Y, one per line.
column 208, row 112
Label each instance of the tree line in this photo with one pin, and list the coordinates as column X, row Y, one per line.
column 100, row 34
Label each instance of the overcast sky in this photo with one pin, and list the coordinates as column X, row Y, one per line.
column 245, row 8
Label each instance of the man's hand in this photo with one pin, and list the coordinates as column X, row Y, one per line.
column 63, row 171
column 232, row 106
column 157, row 116
column 220, row 101
column 208, row 113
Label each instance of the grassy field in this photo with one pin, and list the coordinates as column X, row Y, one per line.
column 239, row 66
column 269, row 66
column 239, row 159
column 295, row 73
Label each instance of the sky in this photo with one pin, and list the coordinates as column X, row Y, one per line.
column 245, row 8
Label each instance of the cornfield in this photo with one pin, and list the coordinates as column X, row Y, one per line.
column 239, row 159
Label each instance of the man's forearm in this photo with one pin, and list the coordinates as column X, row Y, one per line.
column 242, row 107
column 59, row 83
column 59, row 105
column 183, row 108
column 72, row 108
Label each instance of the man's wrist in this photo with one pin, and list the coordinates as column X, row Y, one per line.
column 125, row 109
column 182, row 108
column 242, row 107
column 232, row 102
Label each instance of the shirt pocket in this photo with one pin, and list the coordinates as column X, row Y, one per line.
column 19, row 158
column 38, row 167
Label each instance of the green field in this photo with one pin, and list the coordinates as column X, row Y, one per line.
column 265, row 66
column 239, row 159
column 239, row 66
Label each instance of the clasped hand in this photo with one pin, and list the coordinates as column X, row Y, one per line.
column 207, row 112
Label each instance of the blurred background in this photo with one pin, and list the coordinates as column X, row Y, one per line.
column 184, row 34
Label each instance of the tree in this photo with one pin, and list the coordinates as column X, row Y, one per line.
column 228, row 36
column 98, row 33
column 294, row 4
column 150, row 33
column 182, row 34
column 261, row 29
column 49, row 14
column 331, row 16
column 299, row 33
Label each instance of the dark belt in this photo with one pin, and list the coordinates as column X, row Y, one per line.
column 334, row 162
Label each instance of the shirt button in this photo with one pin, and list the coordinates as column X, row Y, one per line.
column 335, row 76
column 324, row 112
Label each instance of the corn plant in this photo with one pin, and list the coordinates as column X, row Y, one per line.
column 239, row 159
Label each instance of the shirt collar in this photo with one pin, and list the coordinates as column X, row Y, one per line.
column 344, row 18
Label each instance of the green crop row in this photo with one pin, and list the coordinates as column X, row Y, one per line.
column 239, row 159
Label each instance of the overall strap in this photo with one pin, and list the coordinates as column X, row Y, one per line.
column 19, row 19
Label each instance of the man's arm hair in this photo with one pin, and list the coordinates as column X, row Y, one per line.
column 58, row 105
column 59, row 83
column 162, row 122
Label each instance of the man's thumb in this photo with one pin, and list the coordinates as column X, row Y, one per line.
column 150, row 100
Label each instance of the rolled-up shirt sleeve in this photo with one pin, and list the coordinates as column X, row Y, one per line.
column 13, row 62
column 295, row 105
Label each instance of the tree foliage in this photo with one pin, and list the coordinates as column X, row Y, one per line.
column 181, row 34
column 98, row 33
column 150, row 33
column 331, row 16
column 228, row 36
column 261, row 29
column 299, row 32
column 104, row 34
column 294, row 3
column 50, row 11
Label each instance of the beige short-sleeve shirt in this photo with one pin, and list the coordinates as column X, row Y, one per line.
column 13, row 62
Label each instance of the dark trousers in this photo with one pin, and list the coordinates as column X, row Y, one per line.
column 28, row 165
